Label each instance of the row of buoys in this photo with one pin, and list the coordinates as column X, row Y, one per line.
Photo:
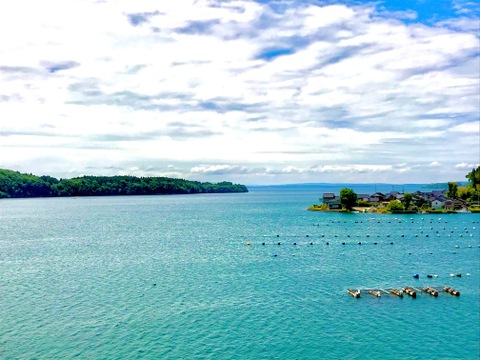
column 311, row 243
column 417, row 276
column 248, row 243
column 378, row 235
column 431, row 221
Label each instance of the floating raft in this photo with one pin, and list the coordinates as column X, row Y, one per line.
column 451, row 291
column 409, row 291
column 430, row 291
column 396, row 292
column 375, row 293
column 354, row 293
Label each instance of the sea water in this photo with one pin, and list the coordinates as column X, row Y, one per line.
column 172, row 277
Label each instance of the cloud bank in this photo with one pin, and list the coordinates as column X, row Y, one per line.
column 258, row 92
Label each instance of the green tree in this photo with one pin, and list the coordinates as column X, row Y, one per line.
column 466, row 193
column 452, row 190
column 348, row 198
column 395, row 206
column 407, row 200
column 474, row 178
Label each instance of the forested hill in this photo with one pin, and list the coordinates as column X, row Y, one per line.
column 16, row 185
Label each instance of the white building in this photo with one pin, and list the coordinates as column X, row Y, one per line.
column 437, row 204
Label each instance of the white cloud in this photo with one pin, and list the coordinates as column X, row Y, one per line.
column 251, row 89
column 465, row 166
column 472, row 127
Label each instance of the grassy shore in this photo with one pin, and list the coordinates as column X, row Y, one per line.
column 375, row 210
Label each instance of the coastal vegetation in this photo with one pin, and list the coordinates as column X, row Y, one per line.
column 17, row 185
column 451, row 198
column 348, row 198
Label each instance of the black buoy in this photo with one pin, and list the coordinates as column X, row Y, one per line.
column 279, row 244
column 154, row 284
column 343, row 243
column 328, row 243
column 359, row 243
column 263, row 243
column 375, row 243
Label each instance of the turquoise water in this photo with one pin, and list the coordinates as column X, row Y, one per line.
column 171, row 277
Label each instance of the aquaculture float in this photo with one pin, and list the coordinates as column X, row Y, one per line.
column 430, row 291
column 409, row 291
column 354, row 293
column 451, row 291
column 396, row 292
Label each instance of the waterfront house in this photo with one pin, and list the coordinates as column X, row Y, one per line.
column 379, row 195
column 392, row 195
column 328, row 197
column 456, row 204
column 374, row 199
column 332, row 201
column 437, row 204
column 335, row 204
column 363, row 197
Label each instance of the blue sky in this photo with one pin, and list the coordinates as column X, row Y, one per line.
column 257, row 92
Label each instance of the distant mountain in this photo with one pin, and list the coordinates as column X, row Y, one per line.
column 442, row 186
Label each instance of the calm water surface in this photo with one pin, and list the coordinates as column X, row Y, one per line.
column 171, row 277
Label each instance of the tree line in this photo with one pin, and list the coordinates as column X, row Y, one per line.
column 17, row 185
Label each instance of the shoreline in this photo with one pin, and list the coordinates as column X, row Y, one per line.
column 368, row 210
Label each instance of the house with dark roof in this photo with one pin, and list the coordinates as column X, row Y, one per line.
column 363, row 197
column 379, row 195
column 335, row 204
column 392, row 195
column 328, row 197
column 332, row 201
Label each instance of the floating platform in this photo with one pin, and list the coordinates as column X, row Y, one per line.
column 430, row 291
column 375, row 293
column 451, row 291
column 396, row 292
column 409, row 291
column 354, row 293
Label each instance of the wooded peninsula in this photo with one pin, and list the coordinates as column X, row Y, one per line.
column 17, row 185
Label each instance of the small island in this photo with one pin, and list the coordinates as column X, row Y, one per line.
column 455, row 199
column 17, row 185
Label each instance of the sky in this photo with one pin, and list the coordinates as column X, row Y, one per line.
column 253, row 92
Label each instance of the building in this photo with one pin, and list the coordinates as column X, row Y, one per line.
column 328, row 197
column 437, row 204
column 332, row 201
